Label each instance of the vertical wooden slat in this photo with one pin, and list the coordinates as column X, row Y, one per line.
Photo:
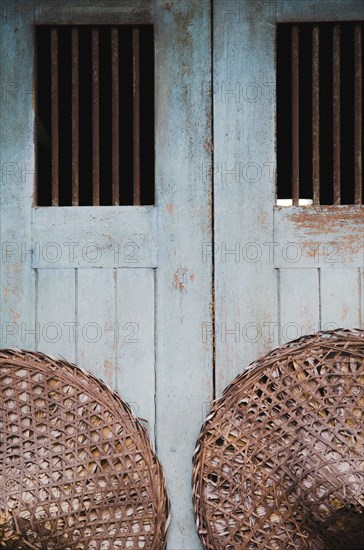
column 95, row 120
column 298, row 315
column 136, row 116
column 336, row 114
column 75, row 118
column 183, row 299
column 55, row 117
column 55, row 315
column 17, row 275
column 115, row 116
column 315, row 115
column 98, row 333
column 135, row 319
column 358, row 115
column 295, row 114
column 340, row 298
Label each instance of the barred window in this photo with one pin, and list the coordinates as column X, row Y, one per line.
column 319, row 113
column 95, row 115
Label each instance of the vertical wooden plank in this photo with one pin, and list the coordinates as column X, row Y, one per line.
column 96, row 336
column 135, row 370
column 244, row 187
column 17, row 179
column 299, row 303
column 340, row 298
column 184, row 365
column 55, row 314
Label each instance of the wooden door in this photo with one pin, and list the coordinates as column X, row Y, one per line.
column 167, row 303
column 280, row 271
column 122, row 291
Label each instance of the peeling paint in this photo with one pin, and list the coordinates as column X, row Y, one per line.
column 323, row 236
column 346, row 311
column 108, row 370
column 208, row 145
column 180, row 279
column 329, row 218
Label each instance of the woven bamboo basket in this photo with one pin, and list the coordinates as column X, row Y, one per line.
column 279, row 463
column 76, row 467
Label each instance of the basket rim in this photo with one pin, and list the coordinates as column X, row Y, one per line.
column 111, row 401
column 233, row 392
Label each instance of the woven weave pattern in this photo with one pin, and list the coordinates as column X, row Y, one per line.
column 279, row 463
column 76, row 467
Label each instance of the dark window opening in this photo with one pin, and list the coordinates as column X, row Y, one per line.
column 319, row 113
column 95, row 115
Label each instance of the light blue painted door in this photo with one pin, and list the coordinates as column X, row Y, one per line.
column 280, row 271
column 122, row 291
column 141, row 295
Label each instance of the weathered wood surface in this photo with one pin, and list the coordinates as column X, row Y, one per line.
column 244, row 185
column 106, row 236
column 326, row 10
column 319, row 236
column 102, row 319
column 67, row 12
column 299, row 300
column 17, row 181
column 135, row 341
column 340, row 298
column 96, row 339
column 165, row 300
column 55, row 314
column 183, row 281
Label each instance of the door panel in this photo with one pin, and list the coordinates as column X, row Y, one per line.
column 340, row 297
column 299, row 303
column 17, row 182
column 244, row 161
column 318, row 236
column 96, row 318
column 135, row 340
column 103, row 319
column 184, row 367
column 55, row 313
column 123, row 291
column 280, row 272
column 81, row 237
